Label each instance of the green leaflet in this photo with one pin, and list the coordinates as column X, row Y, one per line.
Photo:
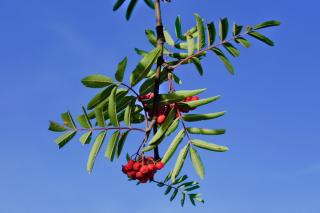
column 209, row 146
column 178, row 55
column 173, row 146
column 192, row 188
column 151, row 37
column 224, row 59
column 176, row 79
column 67, row 120
column 130, row 8
column 100, row 117
column 65, row 138
column 141, row 52
column 183, row 199
column 112, row 145
column 112, row 108
column 266, row 24
column 201, row 117
column 261, row 37
column 96, row 81
column 202, row 131
column 168, row 190
column 237, row 29
column 178, row 29
column 190, row 42
column 244, row 42
column 173, row 127
column 55, row 127
column 180, row 161
column 127, row 114
column 197, row 164
column 144, row 66
column 198, row 65
column 149, row 148
column 211, row 33
column 100, row 97
column 121, row 142
column 86, row 138
column 174, row 194
column 193, row 104
column 223, row 27
column 168, row 38
column 182, row 45
column 149, row 3
column 231, row 49
column 84, row 120
column 118, row 4
column 95, row 150
column 163, row 128
column 121, row 69
column 201, row 33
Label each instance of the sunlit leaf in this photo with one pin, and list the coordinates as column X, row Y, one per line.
column 203, row 131
column 197, row 163
column 209, row 146
column 67, row 120
column 121, row 142
column 121, row 69
column 201, row 33
column 224, row 59
column 65, row 138
column 173, row 146
column 112, row 145
column 56, row 127
column 95, row 150
column 97, row 81
column 180, row 161
column 86, row 137
column 144, row 66
column 201, row 117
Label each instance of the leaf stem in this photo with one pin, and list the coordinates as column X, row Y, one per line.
column 110, row 128
column 206, row 49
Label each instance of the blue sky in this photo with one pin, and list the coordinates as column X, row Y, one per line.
column 47, row 46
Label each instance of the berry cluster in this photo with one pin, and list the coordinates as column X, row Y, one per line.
column 163, row 111
column 142, row 170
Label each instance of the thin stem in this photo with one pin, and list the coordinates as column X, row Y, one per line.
column 160, row 42
column 169, row 185
column 111, row 128
column 206, row 49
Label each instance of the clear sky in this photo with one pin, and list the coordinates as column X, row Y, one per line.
column 47, row 46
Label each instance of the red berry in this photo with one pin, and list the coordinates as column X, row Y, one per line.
column 161, row 119
column 132, row 174
column 144, row 169
column 139, row 175
column 130, row 164
column 150, row 95
column 143, row 180
column 124, row 169
column 159, row 165
column 136, row 166
column 151, row 167
column 149, row 158
column 194, row 98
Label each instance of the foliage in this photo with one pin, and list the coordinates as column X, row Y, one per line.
column 120, row 107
